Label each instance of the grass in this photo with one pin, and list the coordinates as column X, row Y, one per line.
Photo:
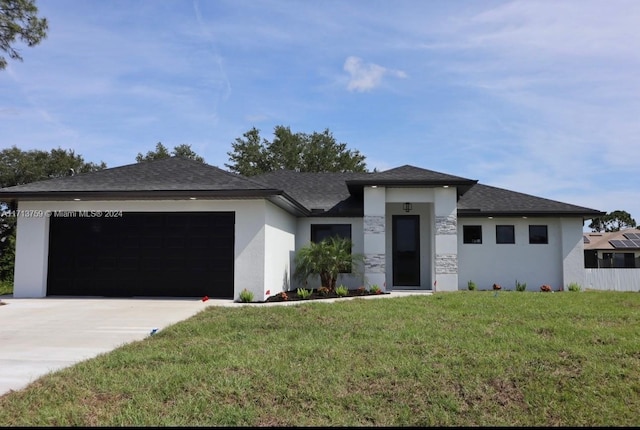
column 450, row 359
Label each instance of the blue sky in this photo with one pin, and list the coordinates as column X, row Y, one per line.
column 540, row 97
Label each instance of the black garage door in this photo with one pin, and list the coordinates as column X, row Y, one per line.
column 185, row 254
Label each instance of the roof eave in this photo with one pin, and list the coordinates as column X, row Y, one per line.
column 463, row 185
column 468, row 213
column 277, row 197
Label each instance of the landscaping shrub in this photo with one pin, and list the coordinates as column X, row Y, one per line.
column 574, row 287
column 342, row 291
column 327, row 259
column 521, row 286
column 472, row 286
column 246, row 296
column 304, row 293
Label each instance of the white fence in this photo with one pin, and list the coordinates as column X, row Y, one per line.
column 612, row 279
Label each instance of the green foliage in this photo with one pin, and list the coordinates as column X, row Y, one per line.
column 342, row 291
column 19, row 19
column 246, row 296
column 302, row 152
column 304, row 293
column 162, row 152
column 574, row 287
column 375, row 289
column 613, row 221
column 521, row 286
column 6, row 287
column 7, row 250
column 18, row 167
column 327, row 259
column 472, row 286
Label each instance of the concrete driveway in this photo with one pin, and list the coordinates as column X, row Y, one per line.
column 38, row 336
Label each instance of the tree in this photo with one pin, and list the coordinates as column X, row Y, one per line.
column 19, row 167
column 161, row 152
column 327, row 258
column 613, row 221
column 301, row 152
column 19, row 18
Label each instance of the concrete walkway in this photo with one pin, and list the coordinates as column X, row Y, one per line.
column 38, row 336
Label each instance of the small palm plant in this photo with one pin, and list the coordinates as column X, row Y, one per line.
column 327, row 259
column 342, row 291
column 304, row 293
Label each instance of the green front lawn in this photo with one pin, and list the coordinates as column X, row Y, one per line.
column 466, row 358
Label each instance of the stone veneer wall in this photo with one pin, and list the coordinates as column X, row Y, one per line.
column 374, row 262
column 446, row 263
column 446, row 224
column 374, row 224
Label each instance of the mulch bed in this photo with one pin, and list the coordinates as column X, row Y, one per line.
column 290, row 296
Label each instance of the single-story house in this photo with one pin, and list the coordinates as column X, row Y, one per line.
column 178, row 227
column 617, row 249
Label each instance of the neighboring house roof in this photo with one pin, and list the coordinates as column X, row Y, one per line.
column 625, row 240
column 302, row 193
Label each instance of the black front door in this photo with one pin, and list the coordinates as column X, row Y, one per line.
column 406, row 250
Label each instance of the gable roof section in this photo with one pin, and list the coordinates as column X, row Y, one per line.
column 341, row 194
column 174, row 177
column 409, row 176
column 483, row 200
column 322, row 193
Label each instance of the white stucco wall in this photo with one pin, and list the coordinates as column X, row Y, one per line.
column 280, row 239
column 30, row 278
column 303, row 237
column 32, row 253
column 533, row 264
column 572, row 252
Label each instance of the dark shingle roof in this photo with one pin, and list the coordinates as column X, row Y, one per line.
column 340, row 194
column 160, row 175
column 325, row 191
column 302, row 193
column 170, row 177
column 410, row 176
column 491, row 201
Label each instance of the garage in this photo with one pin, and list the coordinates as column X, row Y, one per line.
column 126, row 254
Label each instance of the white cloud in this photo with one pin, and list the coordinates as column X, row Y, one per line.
column 367, row 76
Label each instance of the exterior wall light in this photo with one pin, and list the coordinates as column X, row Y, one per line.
column 407, row 207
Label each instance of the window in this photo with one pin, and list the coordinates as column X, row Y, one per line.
column 618, row 260
column 319, row 232
column 472, row 234
column 505, row 234
column 538, row 234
